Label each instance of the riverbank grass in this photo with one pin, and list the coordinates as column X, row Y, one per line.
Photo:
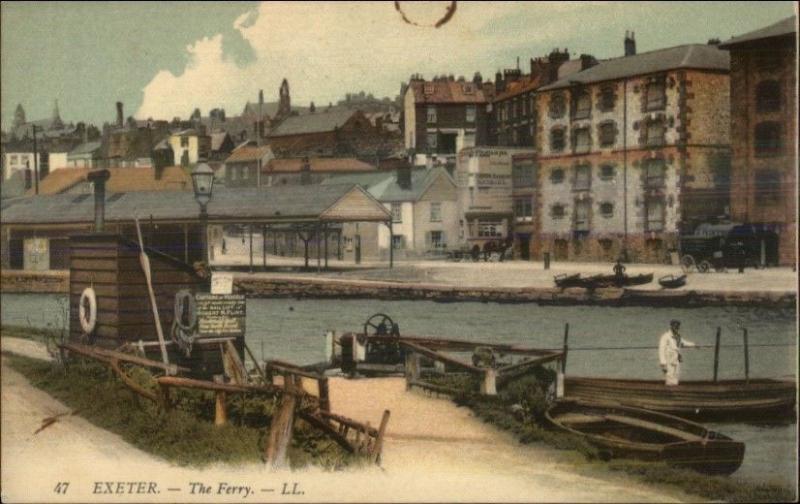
column 519, row 408
column 185, row 435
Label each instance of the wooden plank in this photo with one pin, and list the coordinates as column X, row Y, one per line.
column 287, row 367
column 104, row 264
column 522, row 366
column 439, row 357
column 101, row 353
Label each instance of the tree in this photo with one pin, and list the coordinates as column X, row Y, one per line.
column 195, row 115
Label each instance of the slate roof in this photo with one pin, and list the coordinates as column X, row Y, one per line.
column 341, row 165
column 173, row 178
column 696, row 56
column 86, row 148
column 318, row 122
column 281, row 203
column 383, row 186
column 786, row 26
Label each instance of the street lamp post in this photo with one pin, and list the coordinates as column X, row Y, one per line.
column 203, row 184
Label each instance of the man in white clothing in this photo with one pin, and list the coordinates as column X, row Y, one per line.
column 669, row 352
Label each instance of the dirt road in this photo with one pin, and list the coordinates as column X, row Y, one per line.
column 434, row 452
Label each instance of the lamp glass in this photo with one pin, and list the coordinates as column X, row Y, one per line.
column 203, row 183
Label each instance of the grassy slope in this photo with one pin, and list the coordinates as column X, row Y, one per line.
column 186, row 435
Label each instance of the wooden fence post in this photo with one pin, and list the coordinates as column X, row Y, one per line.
column 220, row 408
column 378, row 446
column 489, row 384
column 412, row 368
column 716, row 353
column 280, row 431
column 324, row 395
column 566, row 347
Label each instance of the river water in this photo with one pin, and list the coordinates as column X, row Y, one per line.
column 293, row 330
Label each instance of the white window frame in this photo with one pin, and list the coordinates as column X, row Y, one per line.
column 431, row 114
column 472, row 112
column 435, row 211
column 397, row 213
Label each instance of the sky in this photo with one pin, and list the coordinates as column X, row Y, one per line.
column 163, row 59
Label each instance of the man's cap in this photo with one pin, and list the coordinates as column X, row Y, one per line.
column 674, row 322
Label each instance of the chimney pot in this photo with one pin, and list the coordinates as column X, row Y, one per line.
column 119, row 114
column 630, row 44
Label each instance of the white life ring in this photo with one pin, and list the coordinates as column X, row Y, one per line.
column 88, row 320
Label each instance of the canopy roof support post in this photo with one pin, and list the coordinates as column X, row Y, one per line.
column 264, row 246
column 250, row 232
column 325, row 237
column 391, row 245
column 319, row 251
column 186, row 243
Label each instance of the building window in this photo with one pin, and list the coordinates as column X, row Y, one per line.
column 558, row 106
column 582, row 104
column 583, row 178
column 656, row 96
column 436, row 239
column 471, row 111
column 13, row 160
column 582, row 208
column 557, row 141
column 582, row 140
column 608, row 134
column 436, row 212
column 768, row 138
column 557, row 211
column 655, row 133
column 234, row 173
column 490, row 229
column 184, row 141
column 431, row 114
column 397, row 212
column 607, row 209
column 245, row 172
column 654, row 173
column 655, row 214
column 523, row 209
column 428, row 88
column 768, row 96
column 605, row 244
column 607, row 99
column 522, row 175
column 433, row 140
column 768, row 186
column 398, row 242
column 557, row 176
column 607, row 172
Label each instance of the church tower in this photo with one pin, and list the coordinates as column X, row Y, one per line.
column 56, row 122
column 285, row 102
column 19, row 116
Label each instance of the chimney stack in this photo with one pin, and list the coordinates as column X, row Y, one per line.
column 119, row 115
column 630, row 44
column 403, row 176
column 305, row 172
column 99, row 177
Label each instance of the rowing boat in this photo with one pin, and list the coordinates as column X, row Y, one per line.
column 563, row 281
column 625, row 432
column 756, row 399
column 672, row 281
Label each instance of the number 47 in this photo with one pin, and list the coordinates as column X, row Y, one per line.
column 61, row 487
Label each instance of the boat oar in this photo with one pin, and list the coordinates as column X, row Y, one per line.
column 145, row 262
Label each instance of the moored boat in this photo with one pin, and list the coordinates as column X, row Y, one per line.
column 672, row 281
column 764, row 400
column 625, row 432
column 641, row 279
column 563, row 281
column 596, row 281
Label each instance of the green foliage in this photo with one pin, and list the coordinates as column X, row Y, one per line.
column 186, row 434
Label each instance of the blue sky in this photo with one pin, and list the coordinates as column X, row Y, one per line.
column 164, row 58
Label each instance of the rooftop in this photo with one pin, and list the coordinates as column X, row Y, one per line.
column 318, row 122
column 339, row 202
column 173, row 178
column 784, row 27
column 384, row 187
column 319, row 165
column 695, row 56
column 247, row 153
column 448, row 91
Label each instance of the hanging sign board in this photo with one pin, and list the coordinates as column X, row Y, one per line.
column 220, row 315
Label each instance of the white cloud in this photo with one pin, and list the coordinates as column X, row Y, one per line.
column 327, row 49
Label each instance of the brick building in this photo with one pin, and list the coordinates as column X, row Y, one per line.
column 633, row 152
column 764, row 136
column 443, row 116
column 331, row 132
